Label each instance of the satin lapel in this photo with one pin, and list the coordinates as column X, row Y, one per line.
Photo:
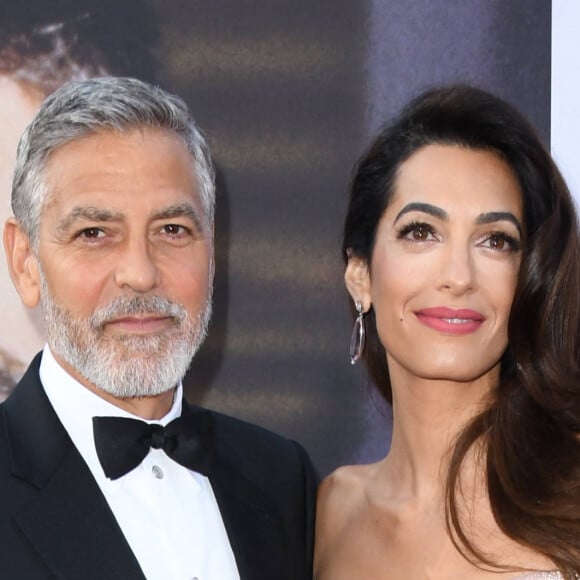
column 73, row 529
column 253, row 524
column 68, row 521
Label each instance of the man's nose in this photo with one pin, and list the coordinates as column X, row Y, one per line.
column 136, row 267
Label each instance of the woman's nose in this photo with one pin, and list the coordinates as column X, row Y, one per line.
column 457, row 270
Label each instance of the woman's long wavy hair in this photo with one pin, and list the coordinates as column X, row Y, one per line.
column 531, row 429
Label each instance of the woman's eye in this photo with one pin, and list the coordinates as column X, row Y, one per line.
column 421, row 233
column 500, row 242
column 497, row 243
column 417, row 232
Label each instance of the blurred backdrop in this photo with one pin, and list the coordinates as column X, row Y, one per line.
column 289, row 93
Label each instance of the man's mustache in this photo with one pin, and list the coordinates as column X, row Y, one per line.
column 136, row 305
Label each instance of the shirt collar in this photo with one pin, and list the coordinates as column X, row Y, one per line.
column 75, row 406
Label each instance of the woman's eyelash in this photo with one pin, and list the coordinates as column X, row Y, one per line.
column 513, row 243
column 419, row 227
column 423, row 231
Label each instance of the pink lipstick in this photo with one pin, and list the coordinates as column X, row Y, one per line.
column 451, row 320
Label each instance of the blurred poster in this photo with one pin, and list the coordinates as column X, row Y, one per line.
column 43, row 45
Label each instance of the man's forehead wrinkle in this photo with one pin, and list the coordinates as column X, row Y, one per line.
column 93, row 213
column 89, row 213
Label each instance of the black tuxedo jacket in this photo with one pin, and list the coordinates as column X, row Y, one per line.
column 55, row 523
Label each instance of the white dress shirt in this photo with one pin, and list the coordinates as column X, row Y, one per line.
column 168, row 514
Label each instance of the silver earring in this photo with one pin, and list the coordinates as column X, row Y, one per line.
column 357, row 340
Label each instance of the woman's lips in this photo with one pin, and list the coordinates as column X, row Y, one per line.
column 451, row 320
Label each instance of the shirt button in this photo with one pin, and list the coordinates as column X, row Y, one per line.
column 157, row 472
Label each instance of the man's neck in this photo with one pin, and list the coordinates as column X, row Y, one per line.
column 149, row 408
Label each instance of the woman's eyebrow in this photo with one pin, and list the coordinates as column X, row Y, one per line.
column 425, row 208
column 499, row 216
column 484, row 218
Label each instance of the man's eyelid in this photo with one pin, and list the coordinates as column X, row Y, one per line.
column 75, row 228
column 185, row 225
column 189, row 228
column 183, row 221
column 83, row 233
column 183, row 214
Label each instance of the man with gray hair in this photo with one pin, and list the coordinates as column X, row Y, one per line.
column 105, row 471
column 42, row 46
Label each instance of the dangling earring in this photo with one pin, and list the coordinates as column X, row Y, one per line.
column 357, row 340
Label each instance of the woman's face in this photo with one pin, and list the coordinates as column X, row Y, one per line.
column 444, row 265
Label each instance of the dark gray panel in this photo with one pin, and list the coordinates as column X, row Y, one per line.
column 500, row 45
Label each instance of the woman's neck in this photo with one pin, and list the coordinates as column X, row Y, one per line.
column 428, row 415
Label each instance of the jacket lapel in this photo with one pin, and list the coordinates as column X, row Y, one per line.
column 68, row 521
column 253, row 524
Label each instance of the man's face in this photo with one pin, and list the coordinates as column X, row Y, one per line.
column 125, row 256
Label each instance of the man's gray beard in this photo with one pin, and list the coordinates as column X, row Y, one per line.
column 126, row 366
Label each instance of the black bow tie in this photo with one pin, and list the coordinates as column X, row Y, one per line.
column 122, row 443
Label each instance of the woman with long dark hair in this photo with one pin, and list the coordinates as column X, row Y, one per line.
column 462, row 252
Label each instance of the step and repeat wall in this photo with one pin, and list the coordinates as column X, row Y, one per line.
column 289, row 93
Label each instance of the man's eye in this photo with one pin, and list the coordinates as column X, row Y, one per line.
column 175, row 229
column 91, row 233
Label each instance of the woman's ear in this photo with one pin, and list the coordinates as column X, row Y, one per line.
column 358, row 281
column 22, row 263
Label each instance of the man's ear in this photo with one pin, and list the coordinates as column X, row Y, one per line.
column 358, row 280
column 22, row 263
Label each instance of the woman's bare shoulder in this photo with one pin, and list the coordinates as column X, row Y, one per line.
column 341, row 498
column 346, row 481
column 341, row 494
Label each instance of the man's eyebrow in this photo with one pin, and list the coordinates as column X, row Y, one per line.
column 88, row 213
column 499, row 216
column 186, row 210
column 425, row 208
